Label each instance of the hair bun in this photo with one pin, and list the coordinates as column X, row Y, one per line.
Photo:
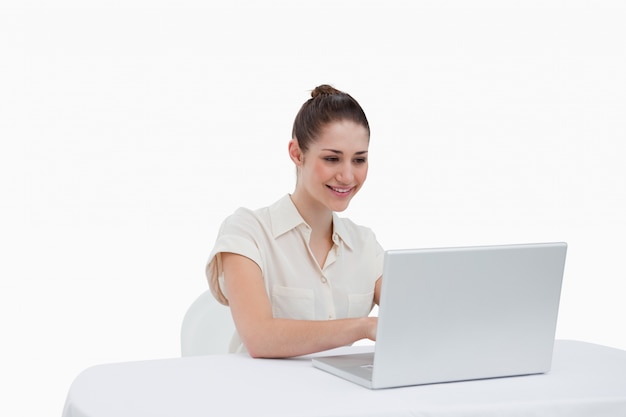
column 324, row 90
column 326, row 105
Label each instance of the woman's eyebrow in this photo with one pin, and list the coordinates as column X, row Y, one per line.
column 341, row 152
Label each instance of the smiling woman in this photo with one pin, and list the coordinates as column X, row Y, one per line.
column 297, row 277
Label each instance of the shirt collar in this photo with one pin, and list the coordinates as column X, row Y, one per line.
column 285, row 216
column 339, row 229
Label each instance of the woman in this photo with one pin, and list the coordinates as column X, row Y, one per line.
column 298, row 278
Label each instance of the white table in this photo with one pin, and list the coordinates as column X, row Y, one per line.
column 585, row 380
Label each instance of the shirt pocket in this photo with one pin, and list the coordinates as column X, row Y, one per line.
column 360, row 305
column 293, row 303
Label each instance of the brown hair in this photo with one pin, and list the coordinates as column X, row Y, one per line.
column 326, row 105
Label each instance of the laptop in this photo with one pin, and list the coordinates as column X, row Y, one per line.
column 457, row 314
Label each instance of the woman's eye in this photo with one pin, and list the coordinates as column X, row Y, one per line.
column 360, row 160
column 331, row 159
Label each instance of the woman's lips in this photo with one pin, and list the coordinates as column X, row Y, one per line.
column 341, row 191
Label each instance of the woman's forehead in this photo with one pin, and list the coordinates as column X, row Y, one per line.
column 343, row 135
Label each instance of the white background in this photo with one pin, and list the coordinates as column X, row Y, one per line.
column 130, row 129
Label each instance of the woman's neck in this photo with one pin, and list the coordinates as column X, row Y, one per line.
column 320, row 219
column 317, row 216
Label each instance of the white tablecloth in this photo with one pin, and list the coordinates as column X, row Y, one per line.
column 585, row 380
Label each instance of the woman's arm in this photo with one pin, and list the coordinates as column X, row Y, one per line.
column 267, row 337
column 379, row 283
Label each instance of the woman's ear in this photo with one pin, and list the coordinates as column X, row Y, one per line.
column 295, row 153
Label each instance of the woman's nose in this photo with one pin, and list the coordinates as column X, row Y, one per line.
column 345, row 174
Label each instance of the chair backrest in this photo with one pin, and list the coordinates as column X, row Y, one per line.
column 207, row 327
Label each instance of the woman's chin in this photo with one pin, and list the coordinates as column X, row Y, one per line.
column 339, row 206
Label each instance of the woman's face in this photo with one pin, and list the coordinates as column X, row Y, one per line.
column 334, row 167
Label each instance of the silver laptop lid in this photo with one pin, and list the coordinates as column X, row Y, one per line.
column 453, row 314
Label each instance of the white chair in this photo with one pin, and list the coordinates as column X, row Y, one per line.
column 207, row 327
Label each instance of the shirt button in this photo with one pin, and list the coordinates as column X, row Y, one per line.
column 324, row 280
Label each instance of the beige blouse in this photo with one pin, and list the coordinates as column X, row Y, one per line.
column 276, row 238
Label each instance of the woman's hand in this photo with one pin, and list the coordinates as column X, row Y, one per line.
column 370, row 328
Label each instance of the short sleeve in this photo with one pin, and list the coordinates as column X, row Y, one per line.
column 239, row 234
